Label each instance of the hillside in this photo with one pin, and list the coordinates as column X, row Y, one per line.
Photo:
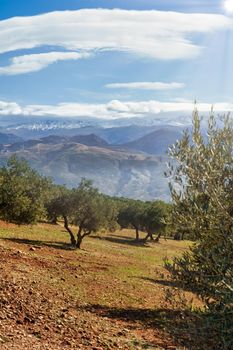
column 133, row 169
column 88, row 140
column 123, row 134
column 114, row 172
column 156, row 142
column 6, row 138
column 55, row 298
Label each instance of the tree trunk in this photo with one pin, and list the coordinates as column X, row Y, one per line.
column 158, row 237
column 137, row 234
column 177, row 236
column 146, row 238
column 54, row 220
column 79, row 237
column 149, row 235
column 78, row 243
column 66, row 225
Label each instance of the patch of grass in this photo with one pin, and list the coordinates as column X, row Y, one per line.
column 102, row 261
column 110, row 271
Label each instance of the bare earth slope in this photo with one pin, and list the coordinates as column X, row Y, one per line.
column 109, row 295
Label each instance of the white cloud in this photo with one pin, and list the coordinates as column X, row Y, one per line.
column 146, row 86
column 35, row 62
column 161, row 35
column 228, row 6
column 10, row 108
column 111, row 110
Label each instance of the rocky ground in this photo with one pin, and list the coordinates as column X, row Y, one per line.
column 109, row 295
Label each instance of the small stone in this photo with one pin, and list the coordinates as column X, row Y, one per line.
column 19, row 321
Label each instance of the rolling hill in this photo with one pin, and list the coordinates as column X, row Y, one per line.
column 157, row 142
column 6, row 138
column 114, row 172
column 88, row 140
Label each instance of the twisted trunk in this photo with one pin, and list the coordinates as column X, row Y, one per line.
column 80, row 236
column 150, row 236
column 66, row 226
column 158, row 237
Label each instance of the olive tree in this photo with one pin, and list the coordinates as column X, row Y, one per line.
column 61, row 206
column 23, row 192
column 131, row 215
column 85, row 208
column 88, row 210
column 201, row 186
column 154, row 219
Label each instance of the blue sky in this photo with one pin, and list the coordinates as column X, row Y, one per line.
column 10, row 8
column 136, row 58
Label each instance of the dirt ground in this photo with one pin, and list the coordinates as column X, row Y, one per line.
column 111, row 294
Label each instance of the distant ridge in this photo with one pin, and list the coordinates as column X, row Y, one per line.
column 87, row 140
column 115, row 172
column 9, row 138
column 157, row 142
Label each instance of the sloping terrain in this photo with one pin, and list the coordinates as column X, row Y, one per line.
column 114, row 172
column 88, row 140
column 114, row 131
column 6, row 138
column 112, row 294
column 127, row 161
column 156, row 142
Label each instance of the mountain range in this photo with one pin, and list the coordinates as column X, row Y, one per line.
column 156, row 142
column 124, row 161
column 9, row 138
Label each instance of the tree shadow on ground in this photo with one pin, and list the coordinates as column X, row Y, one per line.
column 123, row 240
column 189, row 330
column 164, row 282
column 37, row 243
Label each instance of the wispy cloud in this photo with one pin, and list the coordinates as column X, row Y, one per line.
column 36, row 62
column 111, row 110
column 161, row 35
column 146, row 86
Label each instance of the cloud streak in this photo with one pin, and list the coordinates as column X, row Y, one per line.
column 146, row 86
column 36, row 62
column 157, row 34
column 112, row 110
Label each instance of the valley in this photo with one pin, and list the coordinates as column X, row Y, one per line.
column 126, row 161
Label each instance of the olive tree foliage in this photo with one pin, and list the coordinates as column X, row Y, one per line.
column 148, row 217
column 202, row 192
column 60, row 206
column 131, row 215
column 154, row 219
column 83, row 207
column 90, row 210
column 23, row 192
